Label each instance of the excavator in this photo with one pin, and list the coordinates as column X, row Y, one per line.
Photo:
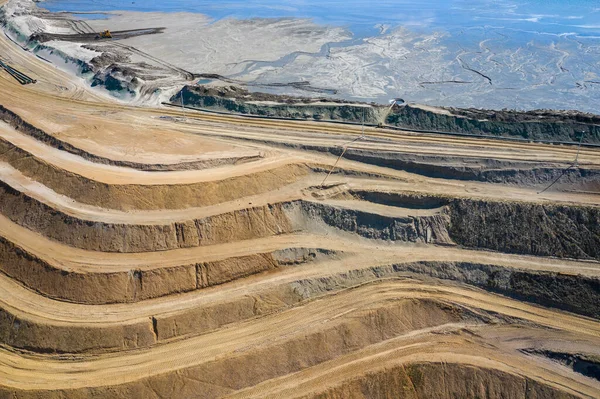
column 104, row 35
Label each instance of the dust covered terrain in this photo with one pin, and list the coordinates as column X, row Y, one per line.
column 155, row 252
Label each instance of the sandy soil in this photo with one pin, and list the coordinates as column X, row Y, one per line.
column 254, row 280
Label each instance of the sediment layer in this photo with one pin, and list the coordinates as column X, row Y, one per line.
column 289, row 259
column 578, row 294
column 22, row 126
column 566, row 126
column 548, row 230
column 539, row 125
column 145, row 197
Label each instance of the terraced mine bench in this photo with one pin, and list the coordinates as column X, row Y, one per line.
column 144, row 254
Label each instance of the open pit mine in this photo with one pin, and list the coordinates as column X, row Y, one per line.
column 251, row 245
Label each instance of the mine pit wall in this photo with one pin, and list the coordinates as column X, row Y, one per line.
column 43, row 336
column 339, row 112
column 563, row 129
column 575, row 293
column 64, row 338
column 107, row 237
column 512, row 227
column 24, row 127
column 426, row 229
column 376, row 323
column 529, row 228
column 578, row 294
column 529, row 126
column 504, row 172
column 138, row 284
column 440, row 380
column 469, row 169
column 148, row 197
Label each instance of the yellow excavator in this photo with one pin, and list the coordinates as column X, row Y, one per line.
column 104, row 35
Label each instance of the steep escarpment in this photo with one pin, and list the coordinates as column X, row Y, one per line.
column 144, row 196
column 238, row 100
column 541, row 229
column 484, row 170
column 527, row 228
column 133, row 284
column 42, row 334
column 534, row 125
column 115, row 237
column 539, row 125
column 501, row 171
column 507, row 226
column 575, row 293
column 308, row 215
column 237, row 225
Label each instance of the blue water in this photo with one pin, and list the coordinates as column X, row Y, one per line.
column 542, row 16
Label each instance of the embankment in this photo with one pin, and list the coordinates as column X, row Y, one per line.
column 580, row 294
column 237, row 100
column 538, row 125
column 441, row 380
column 569, row 231
column 24, row 127
column 563, row 126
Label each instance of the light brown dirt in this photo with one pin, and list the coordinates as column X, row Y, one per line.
column 199, row 256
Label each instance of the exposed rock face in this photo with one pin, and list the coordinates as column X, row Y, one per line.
column 513, row 227
column 557, row 126
column 510, row 226
column 534, row 125
column 477, row 169
column 136, row 285
column 237, row 100
column 432, row 229
column 580, row 294
column 527, row 228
